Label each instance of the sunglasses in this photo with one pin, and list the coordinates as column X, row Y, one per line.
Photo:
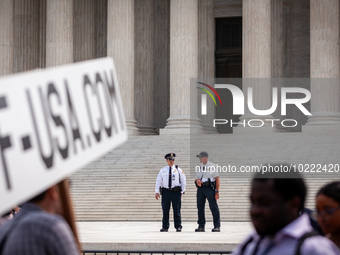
column 172, row 159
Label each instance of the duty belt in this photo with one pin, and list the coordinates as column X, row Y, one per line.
column 206, row 184
column 177, row 189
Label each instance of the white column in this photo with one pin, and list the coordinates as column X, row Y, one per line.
column 120, row 46
column 84, row 30
column 101, row 28
column 277, row 56
column 59, row 32
column 27, row 35
column 206, row 57
column 299, row 39
column 183, row 66
column 42, row 34
column 324, row 32
column 144, row 68
column 256, row 58
column 256, row 19
column 6, row 36
column 277, row 39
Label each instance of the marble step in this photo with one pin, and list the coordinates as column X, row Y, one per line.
column 131, row 170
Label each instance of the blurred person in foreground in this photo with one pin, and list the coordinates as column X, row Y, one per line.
column 280, row 229
column 38, row 230
column 328, row 211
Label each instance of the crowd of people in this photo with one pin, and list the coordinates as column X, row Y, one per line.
column 282, row 224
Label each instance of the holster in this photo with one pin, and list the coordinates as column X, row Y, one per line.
column 213, row 184
column 177, row 189
column 160, row 190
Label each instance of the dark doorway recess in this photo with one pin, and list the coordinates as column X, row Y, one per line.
column 228, row 62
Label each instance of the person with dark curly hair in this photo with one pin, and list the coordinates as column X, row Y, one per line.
column 328, row 211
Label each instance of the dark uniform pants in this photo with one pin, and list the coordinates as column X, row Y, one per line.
column 207, row 193
column 175, row 198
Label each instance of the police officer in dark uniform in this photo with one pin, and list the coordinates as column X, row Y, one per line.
column 171, row 183
column 208, row 185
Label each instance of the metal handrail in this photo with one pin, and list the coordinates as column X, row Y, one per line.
column 154, row 252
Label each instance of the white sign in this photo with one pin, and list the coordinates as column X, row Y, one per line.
column 53, row 122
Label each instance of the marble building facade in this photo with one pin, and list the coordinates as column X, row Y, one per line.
column 158, row 45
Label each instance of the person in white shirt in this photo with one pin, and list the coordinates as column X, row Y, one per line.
column 171, row 182
column 208, row 186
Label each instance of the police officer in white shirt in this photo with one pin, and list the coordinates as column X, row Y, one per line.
column 208, row 185
column 171, row 181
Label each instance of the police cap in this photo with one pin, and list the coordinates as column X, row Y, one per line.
column 202, row 154
column 170, row 156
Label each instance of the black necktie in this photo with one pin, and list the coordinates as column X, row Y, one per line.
column 170, row 178
column 203, row 169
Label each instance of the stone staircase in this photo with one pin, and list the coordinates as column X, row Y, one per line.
column 120, row 185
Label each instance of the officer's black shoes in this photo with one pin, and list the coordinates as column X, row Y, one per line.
column 216, row 230
column 199, row 230
column 164, row 230
column 178, row 229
